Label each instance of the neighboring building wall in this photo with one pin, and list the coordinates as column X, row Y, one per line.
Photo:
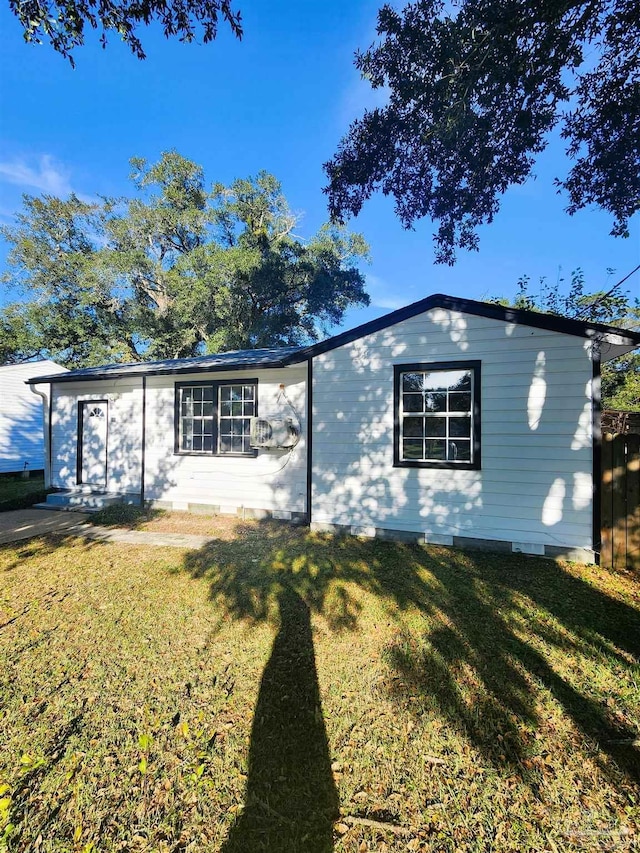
column 275, row 480
column 21, row 416
column 535, row 485
column 124, row 447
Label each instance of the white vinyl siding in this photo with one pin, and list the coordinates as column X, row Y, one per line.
column 271, row 480
column 535, row 485
column 22, row 418
column 124, row 431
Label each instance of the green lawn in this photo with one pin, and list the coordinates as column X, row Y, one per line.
column 16, row 492
column 285, row 691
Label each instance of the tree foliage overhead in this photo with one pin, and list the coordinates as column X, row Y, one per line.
column 64, row 22
column 174, row 271
column 615, row 307
column 473, row 93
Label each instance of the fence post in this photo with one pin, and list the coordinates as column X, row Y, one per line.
column 606, row 497
column 633, row 501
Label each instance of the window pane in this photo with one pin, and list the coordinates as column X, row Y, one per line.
column 460, row 402
column 197, row 442
column 435, row 449
column 186, row 441
column 435, row 402
column 441, row 380
column 435, row 381
column 460, row 427
column 207, row 394
column 186, row 394
column 207, row 409
column 413, row 402
column 412, row 448
column 237, row 405
column 463, row 382
column 207, row 443
column 413, row 427
column 460, row 450
column 435, row 427
column 412, row 381
column 197, row 393
column 436, row 411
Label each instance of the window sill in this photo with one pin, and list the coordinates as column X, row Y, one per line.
column 207, row 454
column 458, row 466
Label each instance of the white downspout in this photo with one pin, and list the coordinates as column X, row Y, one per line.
column 46, row 434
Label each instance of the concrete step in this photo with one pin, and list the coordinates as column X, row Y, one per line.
column 61, row 508
column 86, row 501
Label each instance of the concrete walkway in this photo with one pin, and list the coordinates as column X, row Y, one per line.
column 21, row 524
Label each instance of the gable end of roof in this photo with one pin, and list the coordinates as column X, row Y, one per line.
column 549, row 322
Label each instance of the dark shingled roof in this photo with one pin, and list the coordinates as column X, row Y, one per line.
column 236, row 359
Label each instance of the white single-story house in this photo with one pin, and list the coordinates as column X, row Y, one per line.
column 22, row 439
column 450, row 421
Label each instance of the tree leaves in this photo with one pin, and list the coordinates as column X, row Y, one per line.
column 63, row 24
column 473, row 96
column 620, row 388
column 173, row 271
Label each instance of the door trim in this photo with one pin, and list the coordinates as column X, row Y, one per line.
column 81, row 404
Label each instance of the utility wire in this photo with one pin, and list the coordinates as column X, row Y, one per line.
column 608, row 293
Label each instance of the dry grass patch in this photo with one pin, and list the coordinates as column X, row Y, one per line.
column 284, row 691
column 165, row 521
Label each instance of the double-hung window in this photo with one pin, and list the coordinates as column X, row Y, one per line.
column 214, row 418
column 437, row 415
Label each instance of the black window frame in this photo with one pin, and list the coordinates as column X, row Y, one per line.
column 215, row 385
column 476, row 431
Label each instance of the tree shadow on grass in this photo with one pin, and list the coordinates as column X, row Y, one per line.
column 476, row 658
column 291, row 800
column 489, row 628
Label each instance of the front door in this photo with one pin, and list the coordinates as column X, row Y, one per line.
column 92, row 431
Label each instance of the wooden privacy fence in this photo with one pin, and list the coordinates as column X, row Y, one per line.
column 620, row 511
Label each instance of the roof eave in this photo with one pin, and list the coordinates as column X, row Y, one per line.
column 175, row 371
column 534, row 319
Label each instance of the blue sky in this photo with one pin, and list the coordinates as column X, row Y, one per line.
column 278, row 100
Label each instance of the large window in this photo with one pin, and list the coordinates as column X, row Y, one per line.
column 437, row 415
column 215, row 417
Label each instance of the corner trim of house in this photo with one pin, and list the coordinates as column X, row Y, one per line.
column 144, row 439
column 49, row 460
column 309, row 438
column 596, row 428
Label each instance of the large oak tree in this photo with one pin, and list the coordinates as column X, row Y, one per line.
column 173, row 271
column 474, row 90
